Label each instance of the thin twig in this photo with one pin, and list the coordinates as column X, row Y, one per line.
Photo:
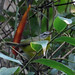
column 67, row 6
column 29, row 61
column 59, row 4
column 11, row 5
column 6, row 35
column 68, row 53
column 56, row 50
column 61, row 33
column 46, row 4
column 14, row 49
column 5, row 23
column 48, row 18
column 54, row 12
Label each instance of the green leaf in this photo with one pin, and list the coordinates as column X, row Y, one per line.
column 20, row 3
column 61, row 9
column 56, row 65
column 73, row 20
column 66, row 20
column 8, row 71
column 10, row 59
column 37, row 46
column 72, row 59
column 60, row 23
column 2, row 18
column 12, row 22
column 17, row 71
column 31, row 73
column 33, row 26
column 9, row 13
column 51, row 13
column 44, row 23
column 69, row 40
column 69, row 15
column 54, row 72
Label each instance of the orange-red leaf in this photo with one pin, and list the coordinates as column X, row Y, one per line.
column 20, row 28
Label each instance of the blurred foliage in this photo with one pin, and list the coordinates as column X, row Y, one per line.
column 54, row 16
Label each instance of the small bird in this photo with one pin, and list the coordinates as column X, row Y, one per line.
column 27, row 48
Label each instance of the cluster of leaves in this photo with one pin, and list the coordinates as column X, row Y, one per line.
column 56, row 17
